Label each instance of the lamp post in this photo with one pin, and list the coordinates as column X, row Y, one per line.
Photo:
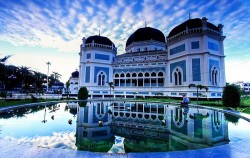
column 48, row 63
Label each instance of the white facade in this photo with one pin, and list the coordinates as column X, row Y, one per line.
column 155, row 65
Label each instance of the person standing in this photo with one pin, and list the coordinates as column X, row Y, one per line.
column 185, row 100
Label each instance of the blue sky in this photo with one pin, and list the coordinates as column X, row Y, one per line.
column 37, row 31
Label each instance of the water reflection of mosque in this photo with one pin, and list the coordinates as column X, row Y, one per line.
column 148, row 127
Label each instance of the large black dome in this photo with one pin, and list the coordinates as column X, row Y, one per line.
column 191, row 23
column 99, row 40
column 144, row 34
column 75, row 74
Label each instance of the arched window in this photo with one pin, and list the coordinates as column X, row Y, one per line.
column 122, row 75
column 101, row 78
column 116, row 75
column 160, row 74
column 127, row 75
column 214, row 76
column 153, row 74
column 134, row 75
column 177, row 74
column 140, row 75
column 175, row 78
column 146, row 74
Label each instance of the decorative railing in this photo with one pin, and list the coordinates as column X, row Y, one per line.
column 91, row 45
column 192, row 31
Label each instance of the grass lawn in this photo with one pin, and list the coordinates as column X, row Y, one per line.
column 245, row 102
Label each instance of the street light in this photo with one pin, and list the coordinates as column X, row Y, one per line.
column 48, row 63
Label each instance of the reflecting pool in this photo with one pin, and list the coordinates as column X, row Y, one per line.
column 121, row 127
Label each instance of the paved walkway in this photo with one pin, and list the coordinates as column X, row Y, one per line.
column 11, row 149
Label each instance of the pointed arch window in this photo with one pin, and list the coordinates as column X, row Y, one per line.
column 177, row 75
column 214, row 76
column 101, row 78
column 175, row 78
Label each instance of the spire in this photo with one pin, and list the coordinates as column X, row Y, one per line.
column 99, row 33
column 145, row 23
column 189, row 16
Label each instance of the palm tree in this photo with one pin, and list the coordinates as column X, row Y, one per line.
column 67, row 88
column 57, row 76
column 111, row 85
column 5, row 58
column 199, row 86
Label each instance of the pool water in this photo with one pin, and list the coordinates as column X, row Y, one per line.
column 44, row 125
column 121, row 127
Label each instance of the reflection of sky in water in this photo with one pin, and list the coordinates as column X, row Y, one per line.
column 238, row 131
column 63, row 140
column 118, row 146
column 51, row 132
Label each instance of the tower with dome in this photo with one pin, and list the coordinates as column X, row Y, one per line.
column 154, row 64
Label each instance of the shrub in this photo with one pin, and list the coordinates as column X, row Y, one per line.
column 231, row 96
column 83, row 93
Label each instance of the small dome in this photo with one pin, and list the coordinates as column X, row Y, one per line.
column 144, row 34
column 191, row 23
column 99, row 40
column 75, row 74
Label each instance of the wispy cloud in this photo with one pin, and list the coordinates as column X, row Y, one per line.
column 62, row 24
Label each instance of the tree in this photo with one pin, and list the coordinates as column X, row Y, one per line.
column 111, row 85
column 67, row 88
column 231, row 96
column 199, row 86
column 83, row 93
column 38, row 81
column 3, row 75
column 57, row 76
column 5, row 58
column 27, row 78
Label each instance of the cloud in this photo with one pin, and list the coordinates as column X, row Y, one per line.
column 61, row 25
column 63, row 140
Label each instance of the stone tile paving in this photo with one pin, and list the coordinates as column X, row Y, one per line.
column 10, row 149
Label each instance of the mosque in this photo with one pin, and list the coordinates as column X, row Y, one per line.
column 192, row 53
